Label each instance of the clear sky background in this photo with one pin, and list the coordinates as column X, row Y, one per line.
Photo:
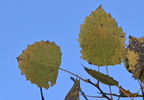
column 23, row 22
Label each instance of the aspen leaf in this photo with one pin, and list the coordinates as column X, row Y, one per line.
column 101, row 40
column 105, row 79
column 135, row 57
column 40, row 63
column 73, row 94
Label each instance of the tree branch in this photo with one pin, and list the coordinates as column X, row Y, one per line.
column 88, row 81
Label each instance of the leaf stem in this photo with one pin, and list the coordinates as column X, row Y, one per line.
column 98, row 71
column 41, row 93
column 109, row 85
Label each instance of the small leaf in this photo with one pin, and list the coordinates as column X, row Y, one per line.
column 105, row 79
column 101, row 40
column 135, row 57
column 40, row 63
column 126, row 93
column 73, row 94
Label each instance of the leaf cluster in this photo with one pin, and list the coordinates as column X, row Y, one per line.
column 102, row 43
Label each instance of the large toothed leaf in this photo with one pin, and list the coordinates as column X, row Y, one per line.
column 101, row 77
column 135, row 57
column 102, row 42
column 40, row 63
column 73, row 94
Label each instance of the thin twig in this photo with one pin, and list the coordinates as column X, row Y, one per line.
column 82, row 93
column 97, row 86
column 109, row 85
column 41, row 93
column 88, row 81
column 98, row 71
column 142, row 90
column 73, row 74
column 93, row 96
column 121, row 95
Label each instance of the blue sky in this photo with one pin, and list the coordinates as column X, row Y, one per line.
column 23, row 22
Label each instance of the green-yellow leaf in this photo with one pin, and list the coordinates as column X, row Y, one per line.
column 135, row 57
column 101, row 40
column 126, row 93
column 40, row 63
column 105, row 79
column 73, row 94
